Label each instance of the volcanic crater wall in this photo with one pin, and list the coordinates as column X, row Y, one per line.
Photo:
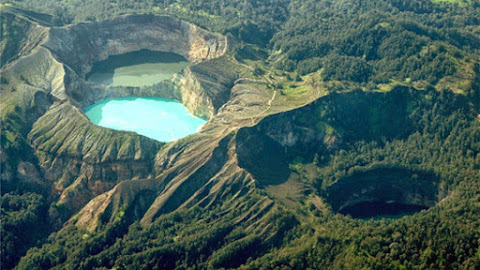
column 332, row 123
column 80, row 160
column 80, row 46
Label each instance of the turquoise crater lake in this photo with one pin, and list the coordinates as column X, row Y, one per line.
column 160, row 119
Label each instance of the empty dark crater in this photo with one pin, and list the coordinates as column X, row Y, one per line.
column 366, row 210
column 383, row 192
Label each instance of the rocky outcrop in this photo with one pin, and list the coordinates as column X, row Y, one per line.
column 207, row 86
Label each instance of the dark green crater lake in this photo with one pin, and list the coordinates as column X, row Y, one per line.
column 137, row 68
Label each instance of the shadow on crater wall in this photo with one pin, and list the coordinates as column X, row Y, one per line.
column 262, row 156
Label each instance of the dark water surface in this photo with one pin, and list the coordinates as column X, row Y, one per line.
column 137, row 68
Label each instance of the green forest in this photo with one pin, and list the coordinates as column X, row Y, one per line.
column 403, row 83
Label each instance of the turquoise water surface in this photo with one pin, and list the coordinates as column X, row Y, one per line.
column 157, row 118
